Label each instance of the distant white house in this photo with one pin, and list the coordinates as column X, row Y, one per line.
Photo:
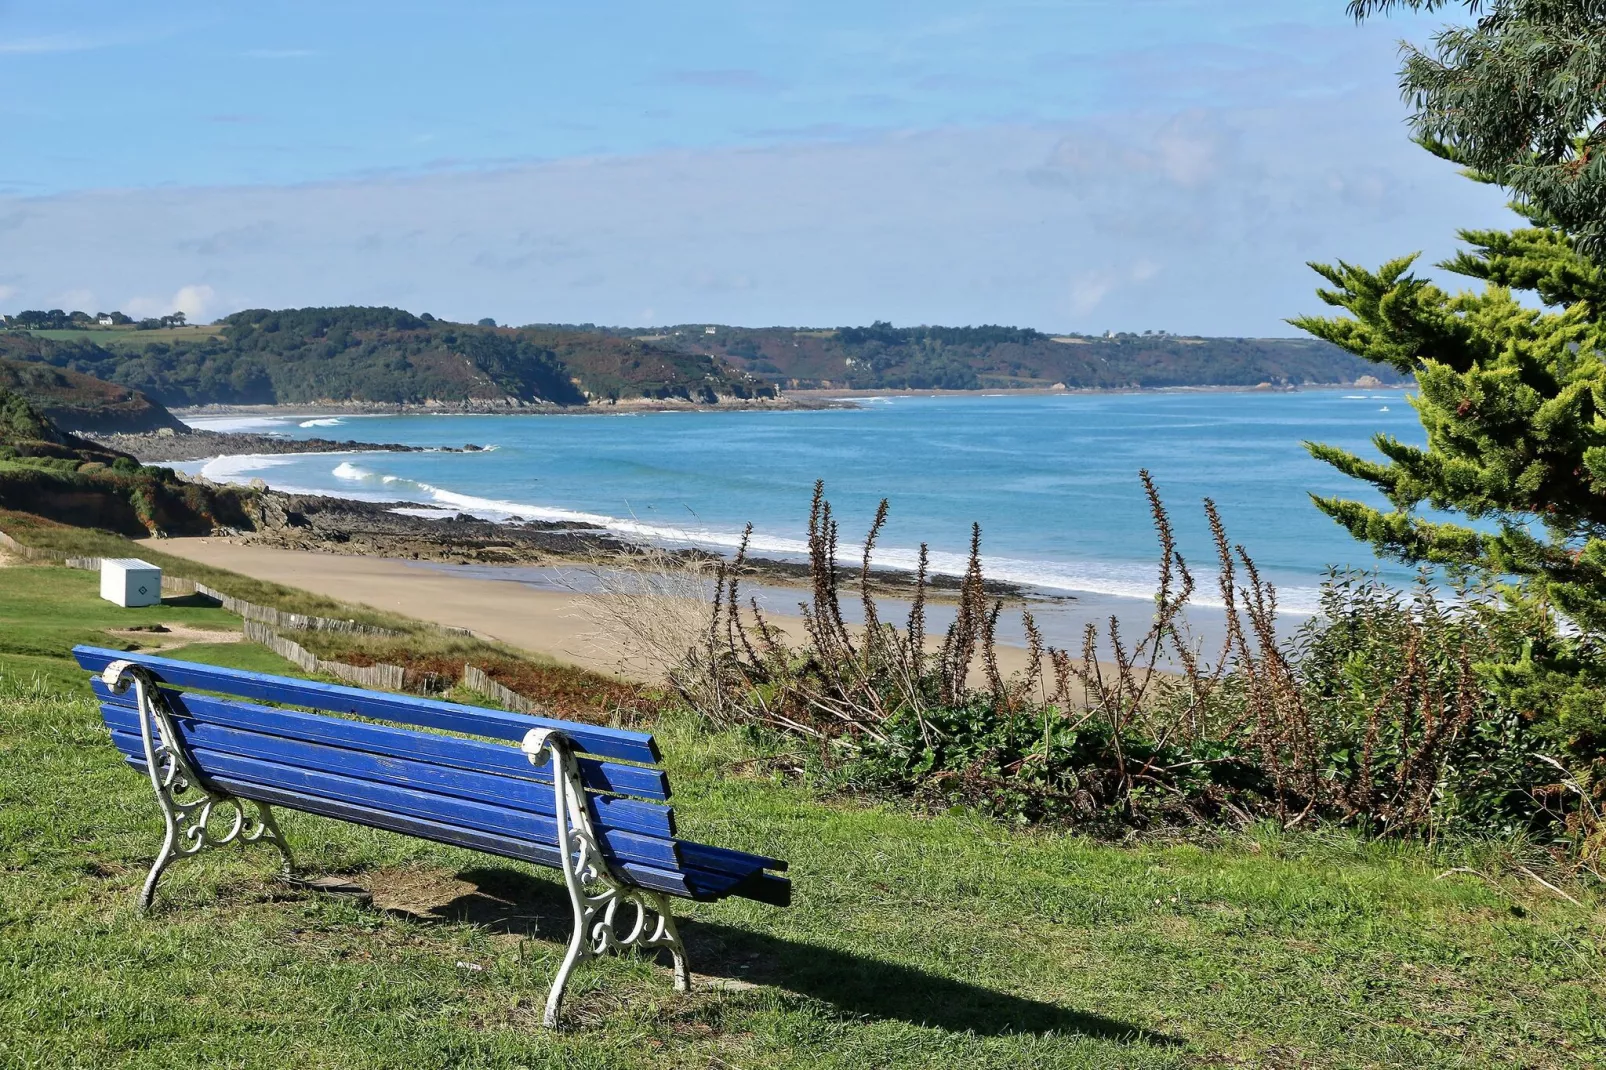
column 708, row 330
column 104, row 319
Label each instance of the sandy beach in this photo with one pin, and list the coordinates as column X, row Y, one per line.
column 561, row 625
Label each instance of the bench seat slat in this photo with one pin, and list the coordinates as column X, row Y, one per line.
column 472, row 793
column 473, row 754
column 760, row 886
column 405, row 709
column 689, row 883
column 498, row 820
column 725, row 860
column 631, row 815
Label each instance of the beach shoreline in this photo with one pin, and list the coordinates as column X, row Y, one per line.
column 802, row 398
column 443, row 533
column 573, row 625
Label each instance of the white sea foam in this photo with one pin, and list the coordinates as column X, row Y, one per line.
column 237, row 423
column 322, row 421
column 428, row 513
column 355, row 480
column 1092, row 577
column 243, row 468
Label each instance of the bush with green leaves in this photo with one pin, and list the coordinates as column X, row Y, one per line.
column 1377, row 713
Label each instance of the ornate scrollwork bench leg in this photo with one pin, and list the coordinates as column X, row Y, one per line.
column 187, row 805
column 610, row 914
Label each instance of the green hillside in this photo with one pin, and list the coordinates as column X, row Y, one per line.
column 77, row 402
column 384, row 356
column 881, row 357
column 49, row 473
column 388, row 356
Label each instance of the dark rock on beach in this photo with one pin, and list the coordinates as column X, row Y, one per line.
column 340, row 525
column 164, row 446
column 343, row 526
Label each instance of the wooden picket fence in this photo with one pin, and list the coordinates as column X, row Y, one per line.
column 384, row 677
column 46, row 557
column 260, row 622
column 476, row 680
column 387, row 677
column 295, row 622
column 274, row 618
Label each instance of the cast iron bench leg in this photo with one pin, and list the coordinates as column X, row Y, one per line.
column 188, row 807
column 614, row 915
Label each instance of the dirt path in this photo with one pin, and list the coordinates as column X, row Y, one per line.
column 174, row 635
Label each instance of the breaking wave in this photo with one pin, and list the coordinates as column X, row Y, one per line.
column 1119, row 580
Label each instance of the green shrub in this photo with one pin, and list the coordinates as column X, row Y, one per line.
column 1386, row 711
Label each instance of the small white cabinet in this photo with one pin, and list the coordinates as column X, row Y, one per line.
column 128, row 581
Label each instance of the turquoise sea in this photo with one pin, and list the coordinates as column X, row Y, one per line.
column 1053, row 480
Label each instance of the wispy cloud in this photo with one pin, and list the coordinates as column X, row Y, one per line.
column 1197, row 221
column 195, row 301
column 740, row 80
column 32, row 46
column 956, row 82
column 280, row 53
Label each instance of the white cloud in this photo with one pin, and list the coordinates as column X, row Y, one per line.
column 195, row 301
column 1088, row 291
column 55, row 43
column 1039, row 225
column 8, row 292
column 80, row 299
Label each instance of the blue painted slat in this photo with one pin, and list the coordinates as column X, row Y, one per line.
column 690, row 882
column 727, row 861
column 405, row 709
column 630, row 815
column 662, row 880
column 745, row 870
column 473, row 754
column 498, row 820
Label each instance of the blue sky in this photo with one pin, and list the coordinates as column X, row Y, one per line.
column 1124, row 164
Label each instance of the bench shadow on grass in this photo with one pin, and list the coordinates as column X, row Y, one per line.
column 508, row 901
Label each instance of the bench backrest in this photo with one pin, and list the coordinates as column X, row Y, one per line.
column 473, row 792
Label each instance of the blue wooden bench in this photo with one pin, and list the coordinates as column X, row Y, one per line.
column 582, row 799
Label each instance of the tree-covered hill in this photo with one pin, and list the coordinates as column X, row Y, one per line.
column 77, row 402
column 882, row 356
column 387, row 356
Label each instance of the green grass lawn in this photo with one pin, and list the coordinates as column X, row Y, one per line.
column 87, row 542
column 129, row 337
column 46, row 610
column 914, row 941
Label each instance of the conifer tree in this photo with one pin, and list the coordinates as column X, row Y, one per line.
column 1513, row 400
column 1511, row 393
column 1520, row 95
